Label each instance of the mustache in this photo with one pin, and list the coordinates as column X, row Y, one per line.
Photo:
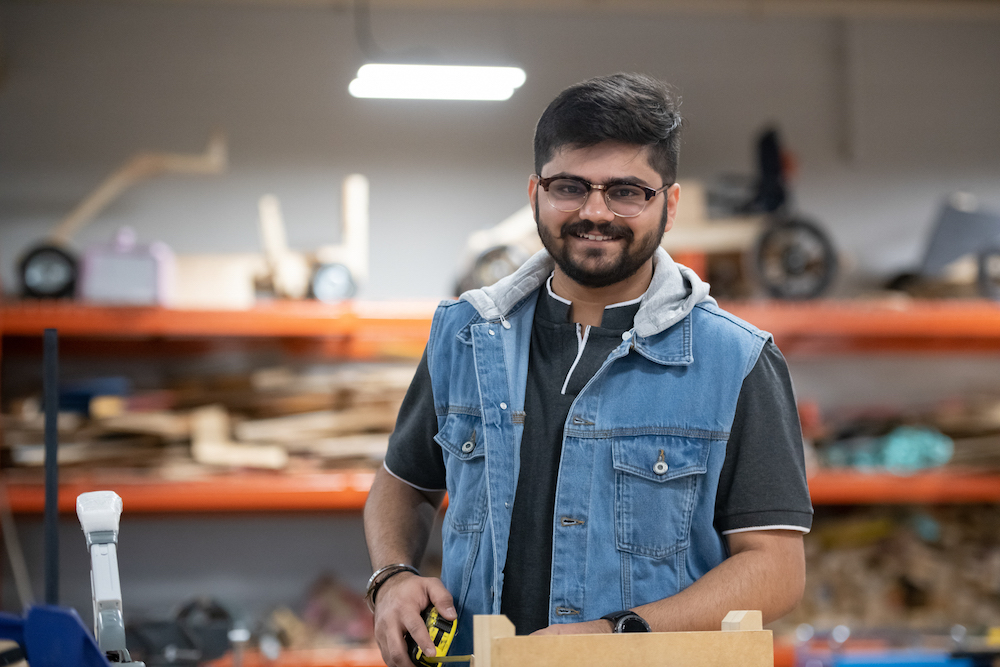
column 603, row 229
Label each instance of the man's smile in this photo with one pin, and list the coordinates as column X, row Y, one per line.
column 595, row 237
column 585, row 230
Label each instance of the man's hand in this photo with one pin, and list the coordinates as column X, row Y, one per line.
column 398, row 606
column 600, row 626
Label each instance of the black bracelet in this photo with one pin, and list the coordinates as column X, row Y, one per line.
column 383, row 575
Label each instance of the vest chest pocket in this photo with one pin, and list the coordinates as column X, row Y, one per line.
column 460, row 438
column 657, row 479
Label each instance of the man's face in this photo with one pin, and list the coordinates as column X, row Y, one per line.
column 592, row 245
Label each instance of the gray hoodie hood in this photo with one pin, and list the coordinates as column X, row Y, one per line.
column 673, row 292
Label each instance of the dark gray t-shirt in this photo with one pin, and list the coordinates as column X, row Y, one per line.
column 762, row 483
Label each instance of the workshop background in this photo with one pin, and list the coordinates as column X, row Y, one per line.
column 889, row 108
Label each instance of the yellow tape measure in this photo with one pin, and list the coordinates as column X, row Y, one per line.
column 442, row 632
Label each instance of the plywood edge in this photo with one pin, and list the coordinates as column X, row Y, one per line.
column 486, row 631
column 736, row 621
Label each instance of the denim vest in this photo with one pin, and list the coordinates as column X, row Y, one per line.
column 643, row 446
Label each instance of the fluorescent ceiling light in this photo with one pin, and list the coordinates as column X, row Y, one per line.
column 436, row 82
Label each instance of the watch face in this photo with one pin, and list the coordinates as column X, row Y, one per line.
column 633, row 623
column 627, row 621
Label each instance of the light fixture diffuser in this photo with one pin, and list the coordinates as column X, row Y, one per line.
column 436, row 82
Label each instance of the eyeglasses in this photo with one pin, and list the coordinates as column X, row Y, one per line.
column 626, row 200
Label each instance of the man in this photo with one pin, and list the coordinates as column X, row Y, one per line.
column 617, row 451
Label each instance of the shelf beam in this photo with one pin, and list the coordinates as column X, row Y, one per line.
column 848, row 487
column 347, row 491
column 332, row 491
column 369, row 329
column 876, row 326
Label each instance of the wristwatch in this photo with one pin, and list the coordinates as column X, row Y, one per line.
column 627, row 621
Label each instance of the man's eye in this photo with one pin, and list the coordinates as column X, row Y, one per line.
column 625, row 192
column 568, row 188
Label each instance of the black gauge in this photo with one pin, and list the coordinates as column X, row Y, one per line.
column 48, row 272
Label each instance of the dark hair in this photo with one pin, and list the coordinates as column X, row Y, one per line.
column 629, row 108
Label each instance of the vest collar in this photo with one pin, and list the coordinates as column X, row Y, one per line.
column 673, row 292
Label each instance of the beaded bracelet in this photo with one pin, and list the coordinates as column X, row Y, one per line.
column 377, row 579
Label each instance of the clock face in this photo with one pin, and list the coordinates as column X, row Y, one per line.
column 48, row 272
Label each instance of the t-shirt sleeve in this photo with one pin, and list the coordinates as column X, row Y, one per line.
column 762, row 485
column 413, row 455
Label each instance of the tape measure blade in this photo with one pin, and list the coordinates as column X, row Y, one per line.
column 448, row 658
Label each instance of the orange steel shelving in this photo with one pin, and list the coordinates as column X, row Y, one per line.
column 341, row 657
column 362, row 330
column 876, row 326
column 338, row 490
column 370, row 328
column 346, row 490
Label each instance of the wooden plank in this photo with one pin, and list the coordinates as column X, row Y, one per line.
column 676, row 649
column 486, row 630
column 312, row 425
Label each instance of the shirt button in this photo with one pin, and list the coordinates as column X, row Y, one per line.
column 503, row 406
column 659, row 467
column 626, row 335
column 492, row 332
column 468, row 446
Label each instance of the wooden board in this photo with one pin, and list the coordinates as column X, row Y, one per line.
column 745, row 648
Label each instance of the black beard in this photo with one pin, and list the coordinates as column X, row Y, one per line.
column 628, row 263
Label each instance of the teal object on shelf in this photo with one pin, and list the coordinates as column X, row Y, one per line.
column 909, row 448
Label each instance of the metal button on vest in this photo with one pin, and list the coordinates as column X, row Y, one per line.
column 492, row 332
column 468, row 446
column 503, row 406
column 626, row 335
column 660, row 467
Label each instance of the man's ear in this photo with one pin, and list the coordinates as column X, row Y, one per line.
column 532, row 189
column 673, row 198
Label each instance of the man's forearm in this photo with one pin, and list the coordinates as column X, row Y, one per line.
column 398, row 520
column 766, row 572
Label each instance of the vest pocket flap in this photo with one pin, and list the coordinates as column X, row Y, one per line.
column 461, row 436
column 661, row 458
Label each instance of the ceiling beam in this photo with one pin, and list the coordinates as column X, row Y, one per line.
column 916, row 9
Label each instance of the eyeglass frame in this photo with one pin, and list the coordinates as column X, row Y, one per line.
column 648, row 191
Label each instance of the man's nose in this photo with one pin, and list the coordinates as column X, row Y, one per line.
column 595, row 207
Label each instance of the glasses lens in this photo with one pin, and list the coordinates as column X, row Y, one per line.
column 567, row 194
column 626, row 200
